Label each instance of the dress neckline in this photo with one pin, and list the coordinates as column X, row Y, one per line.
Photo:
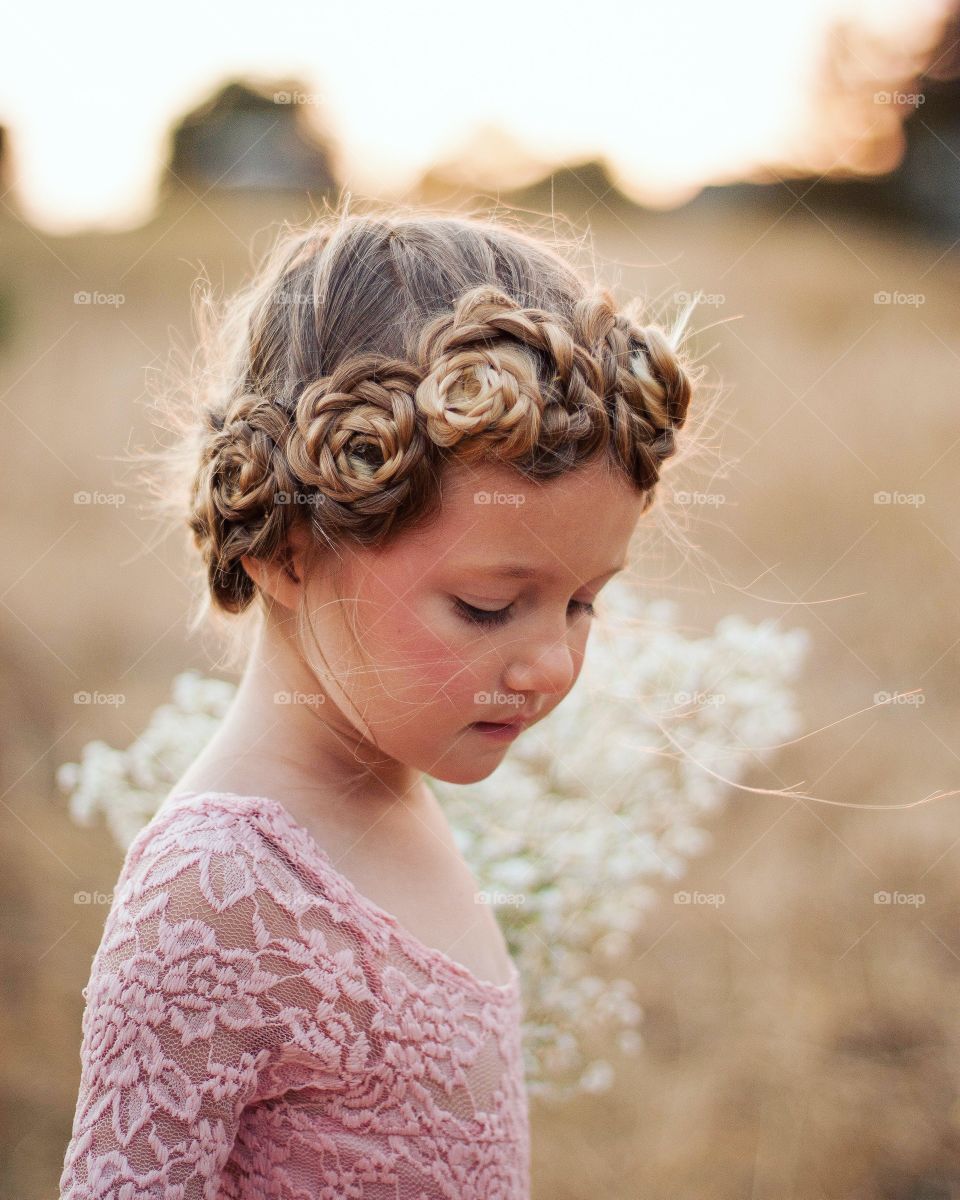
column 270, row 810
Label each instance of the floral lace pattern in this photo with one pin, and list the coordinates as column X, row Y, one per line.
column 256, row 1028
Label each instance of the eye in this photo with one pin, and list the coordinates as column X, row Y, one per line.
column 497, row 616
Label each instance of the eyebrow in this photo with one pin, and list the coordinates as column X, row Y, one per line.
column 521, row 571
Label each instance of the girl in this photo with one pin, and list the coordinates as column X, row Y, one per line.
column 422, row 456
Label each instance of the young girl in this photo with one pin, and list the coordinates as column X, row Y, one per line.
column 422, row 458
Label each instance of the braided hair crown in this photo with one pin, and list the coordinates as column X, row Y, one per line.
column 372, row 351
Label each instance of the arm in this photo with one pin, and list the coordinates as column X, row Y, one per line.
column 216, row 985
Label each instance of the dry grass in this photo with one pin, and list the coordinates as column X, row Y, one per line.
column 802, row 1040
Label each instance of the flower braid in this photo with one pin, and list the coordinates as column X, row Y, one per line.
column 491, row 380
column 235, row 511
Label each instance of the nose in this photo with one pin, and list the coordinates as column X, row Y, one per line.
column 548, row 668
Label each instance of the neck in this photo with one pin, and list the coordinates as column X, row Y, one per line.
column 299, row 735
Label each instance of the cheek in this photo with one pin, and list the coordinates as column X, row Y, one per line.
column 427, row 657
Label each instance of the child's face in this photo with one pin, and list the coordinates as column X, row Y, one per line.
column 424, row 671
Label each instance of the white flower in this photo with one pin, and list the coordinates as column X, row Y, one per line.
column 590, row 817
column 597, row 1077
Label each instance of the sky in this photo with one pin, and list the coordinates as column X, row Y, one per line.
column 671, row 94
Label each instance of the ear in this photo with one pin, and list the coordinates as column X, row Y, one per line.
column 281, row 581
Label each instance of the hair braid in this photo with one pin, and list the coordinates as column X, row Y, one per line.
column 355, row 393
column 646, row 386
column 507, row 380
column 243, row 467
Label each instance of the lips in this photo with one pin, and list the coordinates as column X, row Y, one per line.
column 513, row 722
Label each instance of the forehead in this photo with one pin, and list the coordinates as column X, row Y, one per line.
column 492, row 517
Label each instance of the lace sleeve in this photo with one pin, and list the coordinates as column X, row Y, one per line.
column 221, row 981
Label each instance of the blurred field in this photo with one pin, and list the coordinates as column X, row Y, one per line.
column 801, row 1041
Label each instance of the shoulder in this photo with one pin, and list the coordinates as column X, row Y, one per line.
column 210, row 928
column 220, row 981
column 205, row 834
column 202, row 878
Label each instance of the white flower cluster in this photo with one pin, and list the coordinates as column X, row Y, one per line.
column 570, row 835
column 128, row 786
column 605, row 797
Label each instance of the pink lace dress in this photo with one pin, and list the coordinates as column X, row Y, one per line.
column 255, row 1027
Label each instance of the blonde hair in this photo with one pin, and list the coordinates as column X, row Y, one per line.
column 372, row 351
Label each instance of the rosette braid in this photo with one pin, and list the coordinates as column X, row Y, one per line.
column 373, row 353
column 512, row 381
column 357, row 440
column 234, row 508
column 645, row 384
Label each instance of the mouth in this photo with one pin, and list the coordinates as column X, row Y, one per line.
column 502, row 730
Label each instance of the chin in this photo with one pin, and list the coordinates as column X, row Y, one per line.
column 467, row 772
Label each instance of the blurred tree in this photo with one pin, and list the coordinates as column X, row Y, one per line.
column 906, row 101
column 885, row 141
column 251, row 138
column 926, row 183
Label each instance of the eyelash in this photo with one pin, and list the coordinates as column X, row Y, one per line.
column 484, row 616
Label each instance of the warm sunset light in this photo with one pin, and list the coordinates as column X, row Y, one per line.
column 480, row 651
column 670, row 96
